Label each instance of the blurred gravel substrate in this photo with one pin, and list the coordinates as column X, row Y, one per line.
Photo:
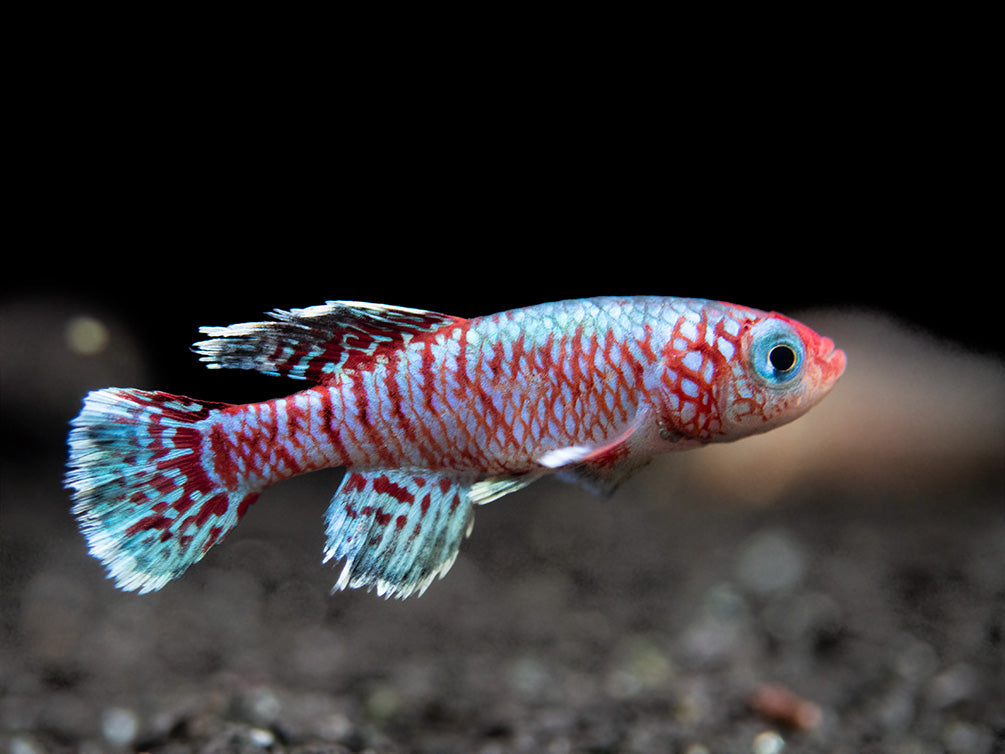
column 568, row 624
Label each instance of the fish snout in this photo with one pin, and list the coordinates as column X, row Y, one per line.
column 832, row 359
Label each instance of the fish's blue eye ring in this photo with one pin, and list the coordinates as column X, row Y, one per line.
column 776, row 353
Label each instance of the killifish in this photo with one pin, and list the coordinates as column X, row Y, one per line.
column 431, row 415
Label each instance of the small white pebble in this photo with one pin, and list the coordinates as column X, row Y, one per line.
column 24, row 745
column 336, row 726
column 261, row 737
column 771, row 561
column 768, row 742
column 264, row 705
column 119, row 726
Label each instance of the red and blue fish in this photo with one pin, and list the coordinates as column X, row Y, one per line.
column 431, row 415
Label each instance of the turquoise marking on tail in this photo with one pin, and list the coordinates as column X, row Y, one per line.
column 397, row 529
column 145, row 500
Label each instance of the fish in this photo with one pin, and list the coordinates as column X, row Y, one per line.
column 431, row 415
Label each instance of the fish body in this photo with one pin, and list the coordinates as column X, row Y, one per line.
column 431, row 415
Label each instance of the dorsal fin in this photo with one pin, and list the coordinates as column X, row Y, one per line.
column 316, row 342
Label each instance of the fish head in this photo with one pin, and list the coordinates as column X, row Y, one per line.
column 783, row 369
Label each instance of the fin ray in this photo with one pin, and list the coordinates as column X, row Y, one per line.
column 144, row 502
column 315, row 342
column 397, row 530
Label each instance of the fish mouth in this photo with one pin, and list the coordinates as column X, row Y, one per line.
column 833, row 358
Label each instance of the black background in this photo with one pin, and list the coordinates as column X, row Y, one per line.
column 183, row 189
column 173, row 231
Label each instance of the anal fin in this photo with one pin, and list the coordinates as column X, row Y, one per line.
column 397, row 530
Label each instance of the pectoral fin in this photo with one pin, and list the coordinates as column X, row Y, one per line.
column 599, row 468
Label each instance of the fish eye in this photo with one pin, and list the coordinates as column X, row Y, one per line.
column 776, row 353
column 782, row 358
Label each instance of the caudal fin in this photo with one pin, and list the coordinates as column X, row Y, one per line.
column 144, row 491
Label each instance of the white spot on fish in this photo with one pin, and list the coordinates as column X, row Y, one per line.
column 725, row 348
column 688, row 412
column 692, row 360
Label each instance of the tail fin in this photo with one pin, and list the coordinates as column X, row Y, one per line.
column 146, row 498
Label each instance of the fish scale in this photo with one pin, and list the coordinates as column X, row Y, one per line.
column 431, row 415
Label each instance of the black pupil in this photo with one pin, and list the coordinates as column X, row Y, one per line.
column 782, row 358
